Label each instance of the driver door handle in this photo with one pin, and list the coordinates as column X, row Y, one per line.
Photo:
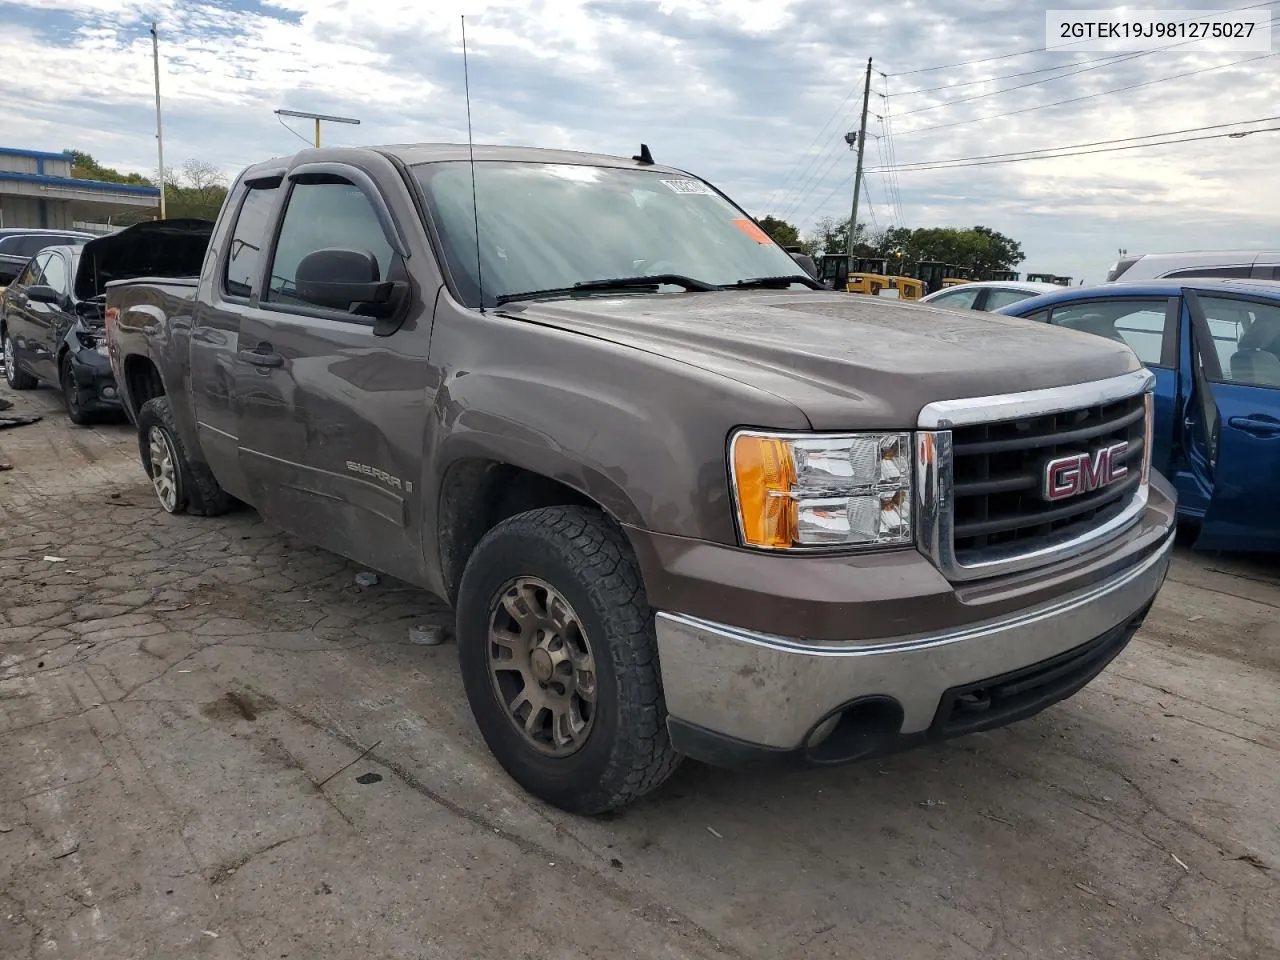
column 262, row 356
column 1256, row 425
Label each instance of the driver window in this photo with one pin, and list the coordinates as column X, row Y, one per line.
column 957, row 300
column 31, row 275
column 55, row 273
column 324, row 216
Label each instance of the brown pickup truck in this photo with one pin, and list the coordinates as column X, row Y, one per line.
column 683, row 501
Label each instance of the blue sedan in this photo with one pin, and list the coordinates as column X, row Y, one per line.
column 1214, row 348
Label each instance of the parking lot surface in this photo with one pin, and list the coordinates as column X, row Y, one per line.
column 214, row 744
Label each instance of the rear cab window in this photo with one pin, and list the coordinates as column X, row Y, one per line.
column 249, row 237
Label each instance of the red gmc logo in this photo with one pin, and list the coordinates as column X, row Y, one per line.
column 1080, row 473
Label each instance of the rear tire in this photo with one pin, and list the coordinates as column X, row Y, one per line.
column 17, row 379
column 71, row 393
column 181, row 484
column 572, row 577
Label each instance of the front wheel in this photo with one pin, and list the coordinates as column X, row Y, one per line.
column 559, row 660
column 71, row 392
column 181, row 484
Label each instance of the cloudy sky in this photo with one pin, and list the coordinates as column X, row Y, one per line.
column 755, row 96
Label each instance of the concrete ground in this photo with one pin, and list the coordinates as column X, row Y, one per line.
column 213, row 745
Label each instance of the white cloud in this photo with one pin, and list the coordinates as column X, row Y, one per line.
column 732, row 90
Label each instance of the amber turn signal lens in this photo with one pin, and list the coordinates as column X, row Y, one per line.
column 764, row 474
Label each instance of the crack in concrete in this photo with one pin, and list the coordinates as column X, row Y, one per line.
column 601, row 882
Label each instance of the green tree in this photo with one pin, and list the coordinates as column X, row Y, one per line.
column 980, row 249
column 783, row 233
column 84, row 167
column 196, row 189
column 830, row 235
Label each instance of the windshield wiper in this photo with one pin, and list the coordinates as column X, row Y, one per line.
column 777, row 282
column 650, row 282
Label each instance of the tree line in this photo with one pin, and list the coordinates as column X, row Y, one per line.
column 980, row 249
column 195, row 189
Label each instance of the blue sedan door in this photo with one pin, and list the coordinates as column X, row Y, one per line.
column 1233, row 418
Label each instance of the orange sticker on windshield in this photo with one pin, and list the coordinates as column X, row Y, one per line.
column 752, row 230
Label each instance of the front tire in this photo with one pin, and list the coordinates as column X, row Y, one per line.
column 17, row 379
column 181, row 484
column 71, row 392
column 559, row 660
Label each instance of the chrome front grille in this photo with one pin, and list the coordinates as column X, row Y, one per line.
column 986, row 504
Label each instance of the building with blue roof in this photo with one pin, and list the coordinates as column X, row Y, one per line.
column 37, row 190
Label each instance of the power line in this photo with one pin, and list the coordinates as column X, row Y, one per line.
column 887, row 125
column 1090, row 96
column 1023, row 53
column 1094, row 143
column 1032, row 83
column 823, row 202
column 782, row 189
column 293, row 131
column 1008, row 76
column 871, row 205
column 813, row 183
column 955, row 165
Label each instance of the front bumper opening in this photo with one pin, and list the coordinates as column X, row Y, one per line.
column 1022, row 693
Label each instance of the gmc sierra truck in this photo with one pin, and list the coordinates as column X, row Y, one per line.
column 683, row 501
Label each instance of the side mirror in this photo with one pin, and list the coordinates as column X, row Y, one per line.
column 340, row 278
column 43, row 294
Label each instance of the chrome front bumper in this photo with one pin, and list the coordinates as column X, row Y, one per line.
column 770, row 691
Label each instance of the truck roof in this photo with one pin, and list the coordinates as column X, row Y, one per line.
column 412, row 154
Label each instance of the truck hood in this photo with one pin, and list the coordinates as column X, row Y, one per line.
column 155, row 248
column 845, row 360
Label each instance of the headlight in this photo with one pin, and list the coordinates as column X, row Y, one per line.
column 823, row 490
column 92, row 341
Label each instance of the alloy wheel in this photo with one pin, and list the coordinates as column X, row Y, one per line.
column 164, row 463
column 542, row 667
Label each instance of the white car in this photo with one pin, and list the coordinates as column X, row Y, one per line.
column 987, row 295
column 1237, row 264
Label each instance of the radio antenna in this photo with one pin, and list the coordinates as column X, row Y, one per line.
column 471, row 153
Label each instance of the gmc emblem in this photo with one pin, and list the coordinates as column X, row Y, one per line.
column 1080, row 473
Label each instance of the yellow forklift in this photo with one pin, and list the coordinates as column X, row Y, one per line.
column 864, row 275
column 868, row 276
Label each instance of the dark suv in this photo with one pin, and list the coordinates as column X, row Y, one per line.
column 19, row 244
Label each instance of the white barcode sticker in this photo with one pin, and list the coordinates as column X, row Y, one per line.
column 689, row 187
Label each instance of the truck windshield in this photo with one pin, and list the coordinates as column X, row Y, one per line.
column 550, row 226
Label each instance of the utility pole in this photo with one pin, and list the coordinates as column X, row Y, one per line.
column 317, row 117
column 857, row 175
column 155, row 58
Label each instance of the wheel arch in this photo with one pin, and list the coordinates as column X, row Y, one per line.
column 478, row 491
